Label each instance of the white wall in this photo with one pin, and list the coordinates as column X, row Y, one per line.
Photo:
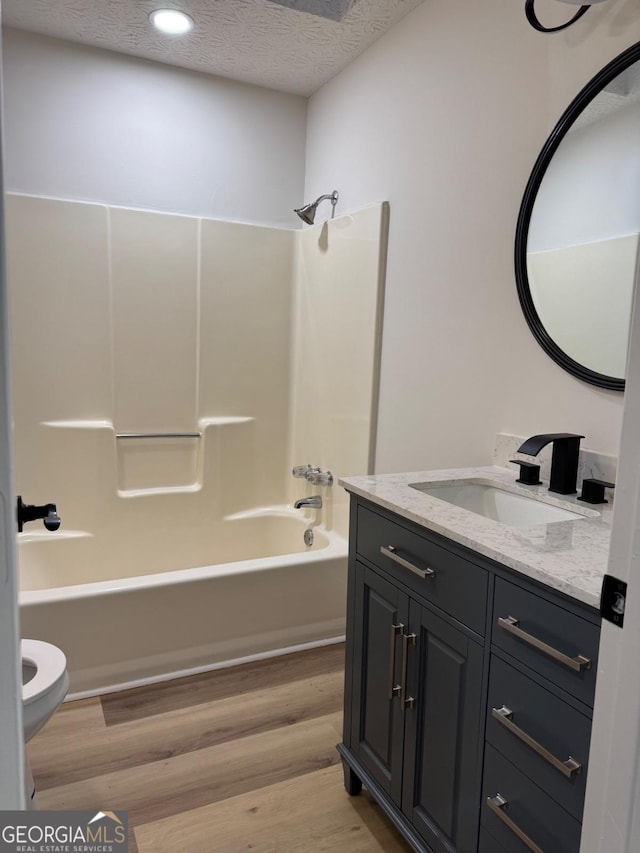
column 91, row 125
column 421, row 119
column 444, row 117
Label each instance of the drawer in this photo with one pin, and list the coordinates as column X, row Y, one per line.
column 547, row 733
column 520, row 807
column 554, row 642
column 489, row 844
column 457, row 586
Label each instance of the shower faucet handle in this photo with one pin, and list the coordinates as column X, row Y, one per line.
column 29, row 512
column 319, row 477
column 302, row 471
column 52, row 520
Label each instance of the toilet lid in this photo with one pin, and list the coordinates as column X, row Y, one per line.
column 50, row 663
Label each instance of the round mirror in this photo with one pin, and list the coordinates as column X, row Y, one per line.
column 578, row 233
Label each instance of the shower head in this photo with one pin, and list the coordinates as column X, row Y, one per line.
column 308, row 212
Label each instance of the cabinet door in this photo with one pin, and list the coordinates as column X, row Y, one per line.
column 381, row 616
column 442, row 733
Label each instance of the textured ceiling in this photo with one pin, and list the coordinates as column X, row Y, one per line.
column 256, row 41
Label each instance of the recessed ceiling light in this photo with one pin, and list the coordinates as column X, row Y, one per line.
column 171, row 21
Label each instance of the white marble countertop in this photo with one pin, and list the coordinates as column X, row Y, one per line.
column 569, row 556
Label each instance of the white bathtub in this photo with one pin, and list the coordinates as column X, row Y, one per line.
column 126, row 613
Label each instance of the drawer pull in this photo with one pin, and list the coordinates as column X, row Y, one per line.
column 504, row 716
column 394, row 689
column 390, row 551
column 406, row 701
column 577, row 664
column 498, row 806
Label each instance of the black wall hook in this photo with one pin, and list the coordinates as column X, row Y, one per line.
column 530, row 12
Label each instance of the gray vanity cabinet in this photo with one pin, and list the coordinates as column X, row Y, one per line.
column 442, row 732
column 543, row 665
column 381, row 612
column 414, row 675
column 468, row 693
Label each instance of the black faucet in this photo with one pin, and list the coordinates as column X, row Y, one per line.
column 564, row 460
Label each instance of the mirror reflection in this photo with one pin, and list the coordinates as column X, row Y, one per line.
column 584, row 234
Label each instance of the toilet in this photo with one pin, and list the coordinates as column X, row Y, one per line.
column 45, row 683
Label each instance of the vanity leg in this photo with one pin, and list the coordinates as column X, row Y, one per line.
column 352, row 783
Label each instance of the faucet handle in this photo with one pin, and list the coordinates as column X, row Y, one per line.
column 318, row 477
column 593, row 491
column 51, row 520
column 529, row 472
column 302, row 471
column 30, row 512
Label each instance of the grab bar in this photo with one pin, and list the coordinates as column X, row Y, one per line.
column 158, row 435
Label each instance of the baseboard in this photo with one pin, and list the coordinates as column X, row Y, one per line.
column 197, row 670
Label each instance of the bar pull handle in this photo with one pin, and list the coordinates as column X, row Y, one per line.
column 498, row 806
column 406, row 701
column 390, row 552
column 504, row 716
column 577, row 664
column 394, row 689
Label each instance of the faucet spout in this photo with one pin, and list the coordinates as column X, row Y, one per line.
column 315, row 502
column 564, row 459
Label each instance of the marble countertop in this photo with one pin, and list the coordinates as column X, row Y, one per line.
column 569, row 556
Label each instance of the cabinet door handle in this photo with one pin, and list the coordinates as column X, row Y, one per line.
column 577, row 664
column 406, row 701
column 498, row 806
column 394, row 689
column 504, row 716
column 390, row 551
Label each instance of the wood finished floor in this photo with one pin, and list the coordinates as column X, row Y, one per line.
column 234, row 760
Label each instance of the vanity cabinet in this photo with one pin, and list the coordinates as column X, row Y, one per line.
column 381, row 614
column 414, row 677
column 543, row 664
column 468, row 693
column 442, row 711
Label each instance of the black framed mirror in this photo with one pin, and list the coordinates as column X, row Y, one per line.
column 577, row 248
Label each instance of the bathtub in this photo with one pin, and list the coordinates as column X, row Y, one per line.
column 126, row 613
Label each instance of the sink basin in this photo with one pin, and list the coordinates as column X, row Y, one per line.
column 498, row 504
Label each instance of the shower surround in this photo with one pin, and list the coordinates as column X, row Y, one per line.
column 260, row 348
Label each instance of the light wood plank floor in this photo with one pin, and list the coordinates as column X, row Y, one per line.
column 233, row 760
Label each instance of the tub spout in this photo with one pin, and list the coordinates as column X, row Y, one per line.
column 315, row 502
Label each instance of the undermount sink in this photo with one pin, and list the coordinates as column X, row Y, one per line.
column 510, row 508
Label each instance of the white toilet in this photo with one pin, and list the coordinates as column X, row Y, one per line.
column 45, row 683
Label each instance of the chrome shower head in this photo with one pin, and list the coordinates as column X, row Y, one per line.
column 308, row 212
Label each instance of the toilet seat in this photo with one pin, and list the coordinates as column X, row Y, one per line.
column 51, row 667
